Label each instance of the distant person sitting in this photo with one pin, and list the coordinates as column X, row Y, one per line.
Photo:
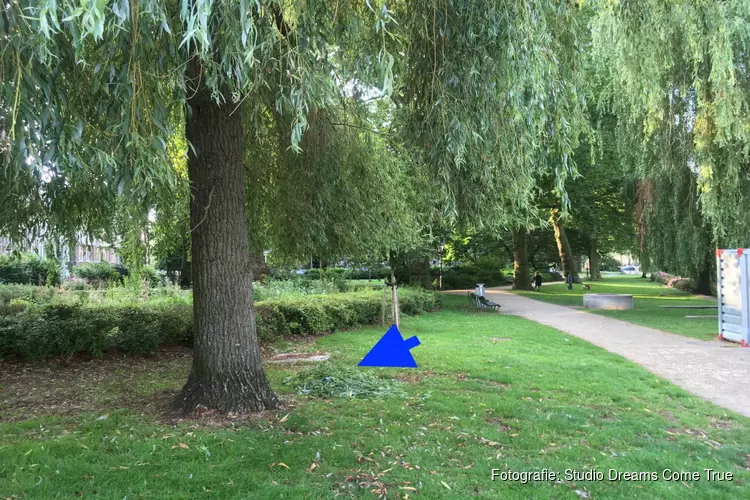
column 537, row 281
column 569, row 281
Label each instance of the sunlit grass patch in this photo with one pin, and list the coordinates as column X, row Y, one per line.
column 536, row 399
column 648, row 298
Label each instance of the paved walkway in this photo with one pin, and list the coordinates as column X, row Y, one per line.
column 716, row 371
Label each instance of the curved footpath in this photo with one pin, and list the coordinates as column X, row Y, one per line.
column 714, row 370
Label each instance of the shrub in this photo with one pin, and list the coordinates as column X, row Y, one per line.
column 29, row 270
column 32, row 331
column 548, row 276
column 610, row 264
column 30, row 294
column 293, row 288
column 328, row 272
column 326, row 313
column 151, row 276
column 98, row 273
column 75, row 284
column 139, row 330
column 12, row 292
column 40, row 332
column 468, row 276
column 176, row 323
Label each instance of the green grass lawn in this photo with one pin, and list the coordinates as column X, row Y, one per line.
column 647, row 296
column 492, row 391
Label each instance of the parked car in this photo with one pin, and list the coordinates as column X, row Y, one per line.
column 630, row 269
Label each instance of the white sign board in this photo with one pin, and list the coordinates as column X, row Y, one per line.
column 733, row 291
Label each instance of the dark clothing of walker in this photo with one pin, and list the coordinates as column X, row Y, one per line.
column 570, row 281
column 537, row 282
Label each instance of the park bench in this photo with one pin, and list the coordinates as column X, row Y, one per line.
column 476, row 300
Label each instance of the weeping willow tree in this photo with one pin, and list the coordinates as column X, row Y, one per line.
column 489, row 97
column 676, row 76
column 344, row 194
column 88, row 92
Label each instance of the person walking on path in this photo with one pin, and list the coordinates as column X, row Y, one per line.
column 537, row 281
column 569, row 281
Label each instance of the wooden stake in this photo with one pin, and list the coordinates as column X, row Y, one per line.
column 394, row 300
column 385, row 301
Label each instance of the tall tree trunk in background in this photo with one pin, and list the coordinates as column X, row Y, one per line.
column 226, row 373
column 594, row 262
column 419, row 272
column 258, row 265
column 563, row 247
column 578, row 259
column 521, row 276
column 703, row 283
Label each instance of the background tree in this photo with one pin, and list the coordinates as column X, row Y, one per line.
column 679, row 87
column 601, row 218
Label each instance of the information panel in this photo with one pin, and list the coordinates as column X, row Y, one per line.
column 733, row 294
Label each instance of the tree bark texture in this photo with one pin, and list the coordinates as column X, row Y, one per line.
column 521, row 276
column 419, row 273
column 704, row 280
column 226, row 373
column 563, row 247
column 594, row 262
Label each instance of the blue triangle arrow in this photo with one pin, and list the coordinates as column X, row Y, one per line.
column 392, row 351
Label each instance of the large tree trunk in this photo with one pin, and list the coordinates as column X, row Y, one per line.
column 594, row 266
column 226, row 374
column 419, row 273
column 703, row 282
column 521, row 276
column 563, row 247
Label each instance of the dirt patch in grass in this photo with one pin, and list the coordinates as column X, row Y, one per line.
column 717, row 423
column 668, row 416
column 417, row 377
column 498, row 423
column 695, row 433
column 211, row 419
column 93, row 385
column 100, row 385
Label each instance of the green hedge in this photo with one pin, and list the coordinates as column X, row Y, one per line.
column 468, row 276
column 350, row 274
column 33, row 331
column 100, row 273
column 64, row 330
column 29, row 270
